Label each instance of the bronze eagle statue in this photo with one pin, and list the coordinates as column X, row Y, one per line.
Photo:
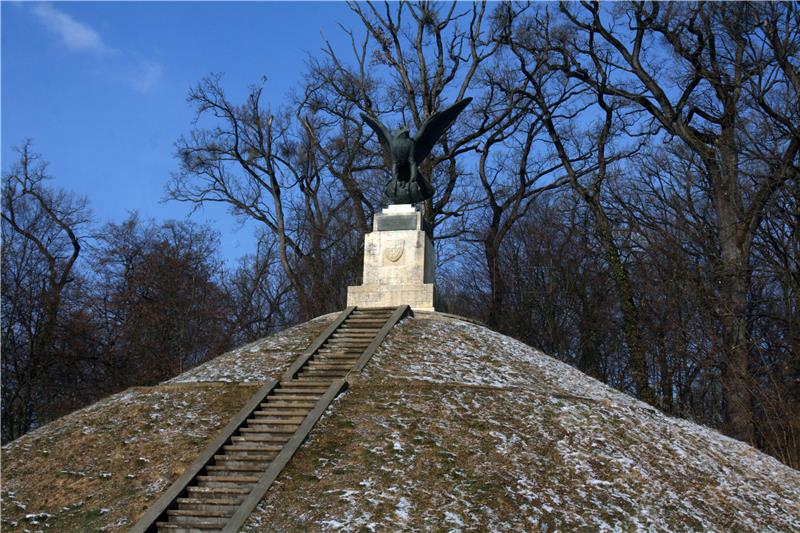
column 404, row 154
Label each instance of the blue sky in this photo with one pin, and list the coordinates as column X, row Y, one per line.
column 100, row 88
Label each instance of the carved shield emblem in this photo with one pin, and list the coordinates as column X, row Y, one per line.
column 393, row 251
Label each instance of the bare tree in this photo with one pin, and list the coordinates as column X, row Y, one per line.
column 512, row 174
column 42, row 235
column 734, row 71
column 259, row 293
column 588, row 132
column 266, row 167
column 160, row 299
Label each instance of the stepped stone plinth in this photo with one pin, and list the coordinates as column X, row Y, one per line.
column 399, row 262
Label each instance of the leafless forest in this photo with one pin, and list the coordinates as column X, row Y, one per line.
column 622, row 193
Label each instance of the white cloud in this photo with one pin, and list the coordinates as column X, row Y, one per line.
column 75, row 35
column 127, row 67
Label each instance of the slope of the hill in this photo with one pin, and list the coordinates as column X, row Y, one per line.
column 451, row 426
column 454, row 426
column 99, row 468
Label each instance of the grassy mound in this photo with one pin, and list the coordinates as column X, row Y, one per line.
column 450, row 427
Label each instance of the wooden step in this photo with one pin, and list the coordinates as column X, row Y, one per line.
column 307, row 383
column 212, row 514
column 168, row 527
column 288, row 404
column 352, row 345
column 349, row 346
column 325, row 373
column 244, row 457
column 191, row 504
column 239, row 468
column 287, row 397
column 258, row 439
column 211, row 500
column 305, row 391
column 266, row 430
column 227, row 481
column 250, row 448
column 268, row 418
column 195, row 518
column 234, row 470
column 339, row 357
column 212, row 492
column 274, row 411
column 228, row 505
column 272, row 427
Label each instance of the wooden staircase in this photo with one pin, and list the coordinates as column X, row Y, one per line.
column 222, row 487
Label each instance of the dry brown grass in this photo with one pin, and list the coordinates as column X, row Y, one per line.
column 100, row 467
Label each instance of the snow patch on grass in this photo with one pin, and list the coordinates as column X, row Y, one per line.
column 258, row 361
column 455, row 427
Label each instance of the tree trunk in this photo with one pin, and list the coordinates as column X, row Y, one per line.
column 589, row 350
column 735, row 367
column 734, row 240
column 637, row 363
column 496, row 281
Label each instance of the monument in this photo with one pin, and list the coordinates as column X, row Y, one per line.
column 399, row 259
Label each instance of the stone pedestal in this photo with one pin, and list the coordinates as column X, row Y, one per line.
column 399, row 262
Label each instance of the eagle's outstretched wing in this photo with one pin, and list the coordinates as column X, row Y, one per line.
column 383, row 135
column 434, row 127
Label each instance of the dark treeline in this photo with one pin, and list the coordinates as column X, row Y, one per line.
column 622, row 193
column 90, row 310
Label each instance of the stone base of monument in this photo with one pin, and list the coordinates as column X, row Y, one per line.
column 399, row 262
